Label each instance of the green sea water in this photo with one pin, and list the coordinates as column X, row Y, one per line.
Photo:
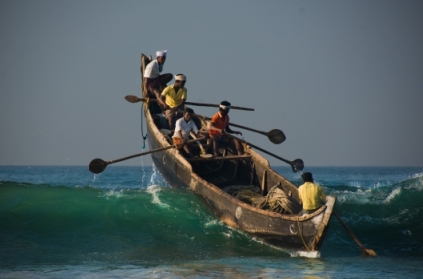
column 63, row 222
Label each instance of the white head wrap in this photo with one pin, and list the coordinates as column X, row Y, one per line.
column 224, row 107
column 180, row 77
column 161, row 53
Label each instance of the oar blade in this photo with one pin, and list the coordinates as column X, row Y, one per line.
column 97, row 166
column 276, row 136
column 132, row 99
column 206, row 156
column 297, row 165
column 369, row 252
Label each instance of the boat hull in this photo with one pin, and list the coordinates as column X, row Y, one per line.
column 283, row 231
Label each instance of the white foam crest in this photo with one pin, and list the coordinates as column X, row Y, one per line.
column 142, row 170
column 212, row 223
column 392, row 195
column 361, row 197
column 417, row 175
column 356, row 184
column 305, row 254
column 417, row 183
column 292, row 253
column 153, row 175
column 228, row 234
column 154, row 190
column 113, row 193
column 96, row 176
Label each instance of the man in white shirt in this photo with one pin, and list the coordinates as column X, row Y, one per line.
column 183, row 128
column 152, row 79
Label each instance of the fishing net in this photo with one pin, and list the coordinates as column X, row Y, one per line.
column 276, row 200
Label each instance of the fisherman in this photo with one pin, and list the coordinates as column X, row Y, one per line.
column 219, row 125
column 173, row 99
column 152, row 79
column 311, row 195
column 183, row 128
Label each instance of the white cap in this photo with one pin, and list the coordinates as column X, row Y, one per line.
column 161, row 53
column 180, row 77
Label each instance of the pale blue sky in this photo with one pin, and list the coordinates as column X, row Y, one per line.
column 342, row 79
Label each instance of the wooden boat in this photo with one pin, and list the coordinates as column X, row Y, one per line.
column 214, row 179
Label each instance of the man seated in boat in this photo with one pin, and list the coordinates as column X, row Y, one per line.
column 311, row 195
column 183, row 127
column 219, row 125
column 153, row 81
column 173, row 99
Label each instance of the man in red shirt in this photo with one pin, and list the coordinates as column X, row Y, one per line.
column 219, row 125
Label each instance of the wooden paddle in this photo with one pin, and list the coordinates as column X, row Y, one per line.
column 366, row 251
column 296, row 165
column 135, row 99
column 203, row 152
column 98, row 165
column 276, row 136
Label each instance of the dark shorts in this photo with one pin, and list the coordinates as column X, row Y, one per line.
column 221, row 138
column 160, row 81
column 172, row 113
column 153, row 83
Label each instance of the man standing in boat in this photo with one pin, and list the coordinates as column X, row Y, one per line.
column 173, row 99
column 311, row 195
column 152, row 79
column 183, row 127
column 219, row 125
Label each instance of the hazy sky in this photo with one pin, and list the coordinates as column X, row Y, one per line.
column 342, row 79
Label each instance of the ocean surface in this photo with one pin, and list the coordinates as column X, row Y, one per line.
column 65, row 222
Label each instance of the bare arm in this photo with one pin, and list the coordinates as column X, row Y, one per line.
column 230, row 131
column 180, row 106
column 212, row 127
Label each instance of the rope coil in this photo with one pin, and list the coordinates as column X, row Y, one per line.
column 276, row 200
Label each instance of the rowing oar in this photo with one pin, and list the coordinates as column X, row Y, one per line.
column 275, row 136
column 296, row 165
column 366, row 251
column 98, row 165
column 135, row 99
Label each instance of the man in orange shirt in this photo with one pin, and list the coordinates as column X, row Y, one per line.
column 219, row 125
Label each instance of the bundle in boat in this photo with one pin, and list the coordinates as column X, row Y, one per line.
column 276, row 200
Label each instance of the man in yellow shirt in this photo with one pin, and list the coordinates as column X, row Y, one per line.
column 173, row 99
column 311, row 195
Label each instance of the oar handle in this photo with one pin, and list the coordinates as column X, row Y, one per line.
column 258, row 148
column 276, row 136
column 135, row 99
column 248, row 128
column 139, row 154
column 267, row 152
column 232, row 124
column 216, row 106
column 366, row 251
column 152, row 151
